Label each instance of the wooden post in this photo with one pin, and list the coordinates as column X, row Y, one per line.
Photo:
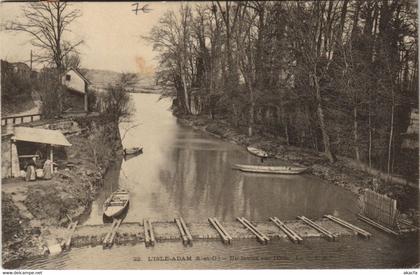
column 52, row 159
column 11, row 158
column 86, row 101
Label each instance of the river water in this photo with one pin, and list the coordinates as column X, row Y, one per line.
column 184, row 172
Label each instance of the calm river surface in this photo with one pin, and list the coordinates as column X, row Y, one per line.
column 183, row 172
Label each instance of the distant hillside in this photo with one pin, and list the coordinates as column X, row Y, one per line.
column 101, row 79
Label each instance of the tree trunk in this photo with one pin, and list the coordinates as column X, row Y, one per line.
column 251, row 118
column 356, row 134
column 186, row 98
column 321, row 118
column 391, row 137
column 370, row 137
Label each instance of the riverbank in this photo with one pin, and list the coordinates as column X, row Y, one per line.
column 31, row 210
column 344, row 172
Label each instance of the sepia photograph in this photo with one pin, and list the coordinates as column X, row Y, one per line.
column 209, row 135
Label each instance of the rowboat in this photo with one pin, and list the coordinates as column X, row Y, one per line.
column 133, row 150
column 288, row 170
column 257, row 152
column 116, row 203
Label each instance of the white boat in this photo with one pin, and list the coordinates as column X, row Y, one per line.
column 257, row 152
column 116, row 203
column 288, row 170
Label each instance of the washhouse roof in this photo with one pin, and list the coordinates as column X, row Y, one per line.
column 53, row 137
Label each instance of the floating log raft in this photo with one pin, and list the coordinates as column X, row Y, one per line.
column 184, row 231
column 109, row 238
column 226, row 238
column 148, row 233
column 293, row 236
column 260, row 236
column 357, row 230
column 71, row 228
column 331, row 236
column 377, row 225
column 177, row 230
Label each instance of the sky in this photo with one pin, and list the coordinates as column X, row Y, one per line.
column 111, row 33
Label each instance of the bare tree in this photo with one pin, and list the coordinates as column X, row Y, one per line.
column 71, row 60
column 47, row 22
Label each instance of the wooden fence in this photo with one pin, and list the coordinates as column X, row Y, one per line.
column 380, row 208
column 13, row 120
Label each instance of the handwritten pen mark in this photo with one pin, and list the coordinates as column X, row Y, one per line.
column 144, row 9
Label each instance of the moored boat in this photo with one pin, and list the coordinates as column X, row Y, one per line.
column 133, row 150
column 287, row 170
column 257, row 152
column 116, row 203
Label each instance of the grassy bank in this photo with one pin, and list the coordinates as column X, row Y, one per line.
column 31, row 209
column 343, row 173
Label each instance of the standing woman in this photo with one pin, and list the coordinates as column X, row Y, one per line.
column 30, row 170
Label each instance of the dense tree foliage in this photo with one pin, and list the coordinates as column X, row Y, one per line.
column 336, row 76
column 118, row 105
column 16, row 86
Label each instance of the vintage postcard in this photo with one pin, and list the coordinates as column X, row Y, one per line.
column 209, row 135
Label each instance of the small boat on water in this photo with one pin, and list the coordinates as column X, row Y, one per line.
column 133, row 150
column 116, row 203
column 257, row 152
column 287, row 170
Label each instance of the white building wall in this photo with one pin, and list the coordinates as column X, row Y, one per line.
column 76, row 82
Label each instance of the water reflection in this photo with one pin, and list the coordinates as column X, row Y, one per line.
column 183, row 172
column 111, row 184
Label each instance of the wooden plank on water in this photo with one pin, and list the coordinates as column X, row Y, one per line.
column 71, row 228
column 223, row 229
column 222, row 235
column 260, row 237
column 114, row 232
column 186, row 230
column 254, row 227
column 377, row 225
column 289, row 232
column 181, row 231
column 146, row 233
column 293, row 236
column 108, row 235
column 151, row 233
column 350, row 226
column 327, row 233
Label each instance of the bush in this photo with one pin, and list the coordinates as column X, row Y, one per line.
column 10, row 217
